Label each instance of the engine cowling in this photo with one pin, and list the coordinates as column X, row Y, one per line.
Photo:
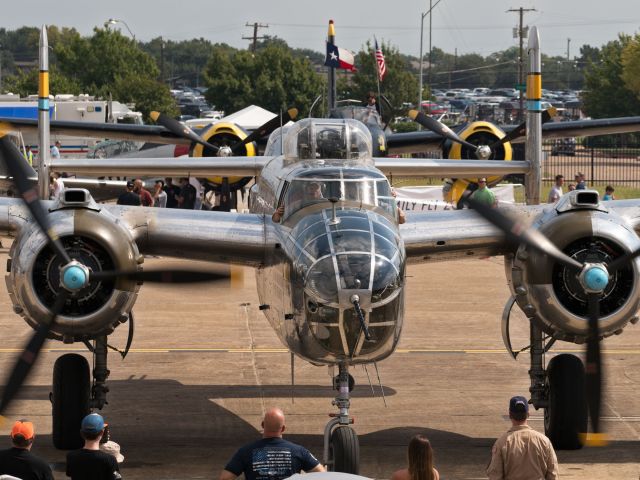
column 100, row 242
column 224, row 134
column 550, row 294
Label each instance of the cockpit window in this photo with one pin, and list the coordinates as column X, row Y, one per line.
column 328, row 139
column 348, row 187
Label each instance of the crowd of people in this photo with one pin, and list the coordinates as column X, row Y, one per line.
column 579, row 183
column 165, row 194
column 521, row 453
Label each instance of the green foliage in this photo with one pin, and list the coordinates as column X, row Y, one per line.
column 26, row 83
column 607, row 95
column 402, row 127
column 147, row 93
column 273, row 79
column 631, row 65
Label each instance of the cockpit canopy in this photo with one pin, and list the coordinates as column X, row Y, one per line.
column 314, row 139
column 349, row 187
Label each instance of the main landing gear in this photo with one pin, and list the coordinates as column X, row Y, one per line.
column 341, row 447
column 73, row 396
column 561, row 392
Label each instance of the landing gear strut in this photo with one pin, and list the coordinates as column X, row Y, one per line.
column 341, row 447
column 560, row 391
column 73, row 396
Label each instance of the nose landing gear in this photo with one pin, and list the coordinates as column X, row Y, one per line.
column 341, row 446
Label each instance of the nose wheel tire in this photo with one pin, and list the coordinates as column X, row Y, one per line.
column 566, row 415
column 69, row 400
column 344, row 451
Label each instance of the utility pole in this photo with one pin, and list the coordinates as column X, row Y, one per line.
column 521, row 34
column 569, row 65
column 254, row 39
column 428, row 12
column 161, row 60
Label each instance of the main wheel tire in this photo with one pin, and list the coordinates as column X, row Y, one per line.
column 566, row 416
column 345, row 450
column 69, row 400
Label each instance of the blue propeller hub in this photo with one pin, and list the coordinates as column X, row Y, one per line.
column 596, row 278
column 74, row 277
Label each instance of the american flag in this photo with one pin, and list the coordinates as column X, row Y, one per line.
column 382, row 68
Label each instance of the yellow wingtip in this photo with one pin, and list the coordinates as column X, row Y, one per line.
column 293, row 113
column 553, row 111
column 154, row 116
column 594, row 439
column 237, row 276
column 413, row 114
column 4, row 129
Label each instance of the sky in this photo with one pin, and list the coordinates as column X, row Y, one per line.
column 470, row 26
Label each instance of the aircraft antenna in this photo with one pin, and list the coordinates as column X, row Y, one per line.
column 293, row 383
column 373, row 392
column 384, row 399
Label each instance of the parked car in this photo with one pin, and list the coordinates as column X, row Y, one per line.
column 564, row 146
column 433, row 108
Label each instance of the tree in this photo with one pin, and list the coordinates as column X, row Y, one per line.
column 606, row 94
column 631, row 65
column 399, row 84
column 26, row 83
column 272, row 78
column 146, row 93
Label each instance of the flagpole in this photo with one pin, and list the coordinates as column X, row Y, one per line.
column 332, row 71
column 375, row 61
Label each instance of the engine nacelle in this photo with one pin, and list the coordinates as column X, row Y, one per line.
column 100, row 242
column 550, row 294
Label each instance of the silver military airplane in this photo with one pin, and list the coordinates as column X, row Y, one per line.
column 330, row 271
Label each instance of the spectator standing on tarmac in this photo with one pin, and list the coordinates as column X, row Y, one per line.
column 129, row 197
column 89, row 463
column 159, row 195
column 272, row 457
column 173, row 191
column 522, row 453
column 28, row 155
column 556, row 191
column 420, row 457
column 18, row 461
column 55, row 150
column 187, row 197
column 580, row 182
column 608, row 193
column 146, row 200
column 484, row 194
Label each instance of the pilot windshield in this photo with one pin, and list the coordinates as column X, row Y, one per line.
column 349, row 188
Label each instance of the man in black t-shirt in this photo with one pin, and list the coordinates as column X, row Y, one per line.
column 173, row 192
column 18, row 461
column 187, row 197
column 271, row 458
column 129, row 197
column 89, row 463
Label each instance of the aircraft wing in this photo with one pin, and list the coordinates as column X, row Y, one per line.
column 414, row 142
column 138, row 133
column 239, row 238
column 585, row 128
column 164, row 167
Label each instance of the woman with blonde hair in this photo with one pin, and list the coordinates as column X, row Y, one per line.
column 420, row 456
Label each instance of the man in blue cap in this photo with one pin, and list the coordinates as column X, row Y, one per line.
column 522, row 453
column 89, row 463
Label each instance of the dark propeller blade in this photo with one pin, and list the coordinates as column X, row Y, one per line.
column 181, row 130
column 519, row 233
column 521, row 130
column 594, row 364
column 29, row 355
column 267, row 128
column 16, row 165
column 622, row 261
column 435, row 126
column 162, row 276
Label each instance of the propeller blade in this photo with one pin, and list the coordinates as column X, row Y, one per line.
column 181, row 130
column 521, row 130
column 17, row 167
column 519, row 233
column 266, row 129
column 622, row 261
column 435, row 126
column 30, row 354
column 162, row 276
column 594, row 370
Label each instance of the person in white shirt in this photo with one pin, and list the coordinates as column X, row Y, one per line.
column 556, row 191
column 55, row 150
column 57, row 186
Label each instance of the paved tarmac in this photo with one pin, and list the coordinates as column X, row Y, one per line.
column 205, row 365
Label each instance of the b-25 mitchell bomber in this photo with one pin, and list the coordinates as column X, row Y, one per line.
column 331, row 272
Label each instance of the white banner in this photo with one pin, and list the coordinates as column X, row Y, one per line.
column 426, row 199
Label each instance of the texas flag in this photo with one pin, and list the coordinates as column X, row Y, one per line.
column 339, row 58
